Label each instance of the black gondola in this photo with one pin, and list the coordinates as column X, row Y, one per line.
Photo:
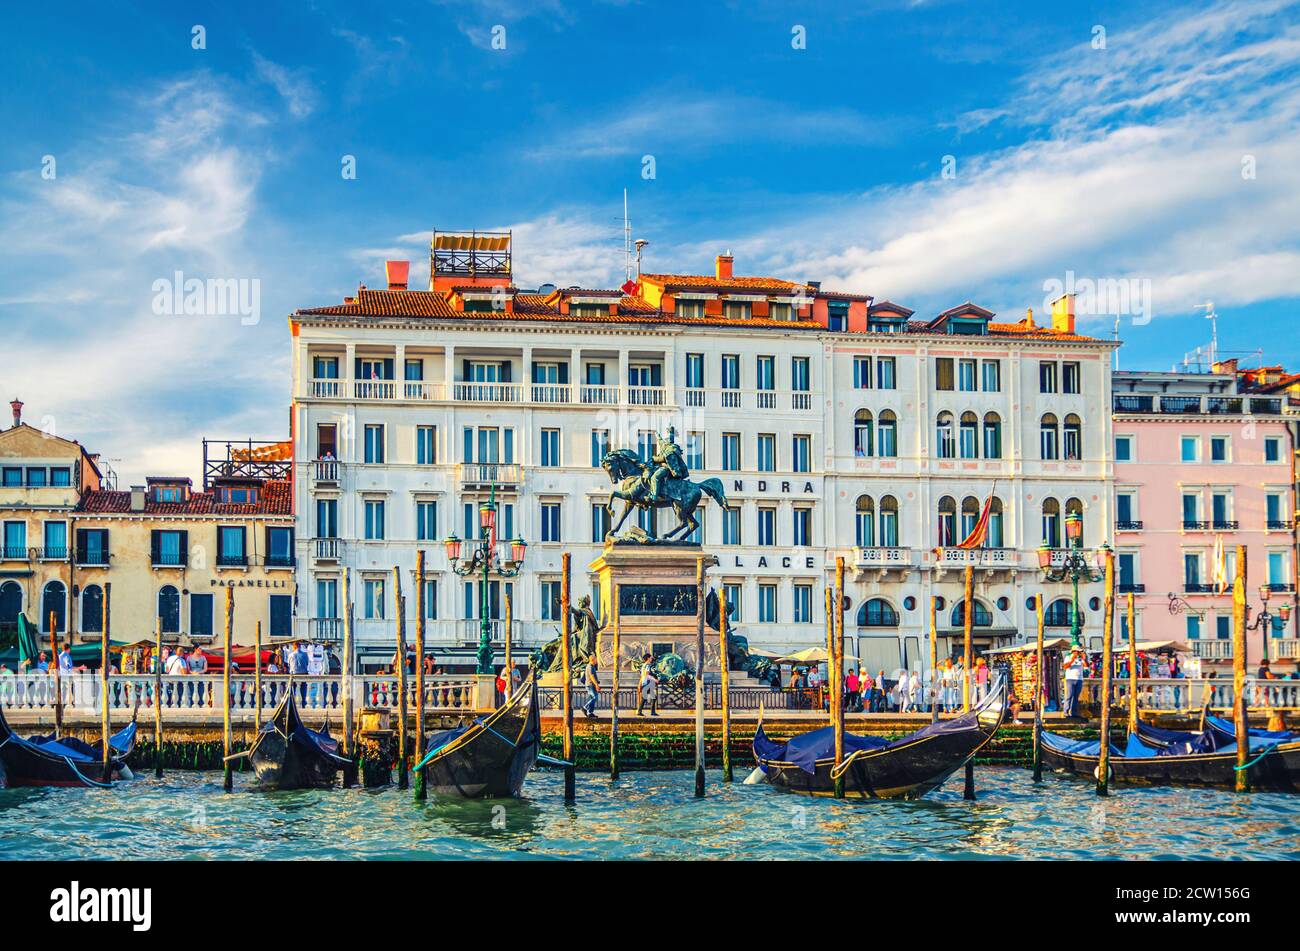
column 288, row 755
column 490, row 757
column 47, row 761
column 1156, row 757
column 877, row 768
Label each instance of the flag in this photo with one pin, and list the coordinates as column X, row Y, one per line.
column 981, row 530
column 1220, row 566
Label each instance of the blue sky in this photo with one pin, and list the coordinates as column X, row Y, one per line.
column 1119, row 160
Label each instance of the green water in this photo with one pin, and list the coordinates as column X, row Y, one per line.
column 647, row 815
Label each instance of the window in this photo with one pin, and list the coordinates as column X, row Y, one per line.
column 886, row 379
column 374, row 435
column 943, row 378
column 947, row 521
column 373, row 598
column 1046, row 376
column 550, row 447
column 1272, row 449
column 550, row 521
column 802, row 534
column 231, row 551
column 36, row 477
column 1051, row 523
column 374, row 519
column 887, row 434
column 992, row 436
column 731, row 452
column 801, row 447
column 599, row 523
column 550, row 592
column 646, row 440
column 968, row 436
column 730, row 373
column 837, row 316
column 734, row 596
column 995, row 538
column 765, row 376
column 981, row 616
column 767, row 526
column 1219, row 448
column 944, row 441
column 1049, row 436
column 325, row 368
column 889, row 521
column 169, row 609
column 1126, row 565
column 279, row 546
column 1189, row 448
column 168, row 548
column 431, row 599
column 61, row 476
column 766, row 452
column 1057, row 614
column 426, row 521
column 56, row 540
column 966, row 375
column 1193, row 627
column 54, row 600
column 326, row 441
column 327, row 602
column 426, row 445
column 1273, row 511
column 413, row 370
column 1191, row 509
column 1070, row 378
column 1191, row 568
column 802, row 604
column 696, row 535
column 767, row 603
column 1220, row 510
column 92, row 609
column 1223, row 627
column 327, row 518
column 736, row 309
column 1123, row 448
column 970, row 513
column 1073, row 437
column 863, row 430
column 865, row 529
column 689, row 308
column 991, row 376
column 599, row 446
column 694, row 451
column 800, row 376
column 13, row 476
column 280, row 612
column 877, row 612
column 695, row 371
column 731, row 526
column 1277, row 573
column 92, row 546
column 862, row 379
column 1124, row 508
column 201, row 610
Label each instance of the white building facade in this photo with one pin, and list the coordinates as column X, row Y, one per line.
column 839, row 426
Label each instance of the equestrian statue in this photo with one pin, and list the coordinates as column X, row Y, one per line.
column 664, row 482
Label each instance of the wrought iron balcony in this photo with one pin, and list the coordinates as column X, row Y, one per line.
column 327, row 549
column 1276, row 525
column 1132, row 525
column 1197, row 587
column 1283, row 586
column 280, row 561
column 1195, row 525
column 1136, row 587
column 232, row 560
column 92, row 558
column 53, row 553
column 1134, row 404
column 1224, row 526
column 163, row 559
column 15, row 553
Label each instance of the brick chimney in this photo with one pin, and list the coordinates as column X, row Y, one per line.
column 137, row 498
column 398, row 272
column 1063, row 314
column 17, row 407
column 724, row 263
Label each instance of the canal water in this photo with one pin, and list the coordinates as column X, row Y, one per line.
column 646, row 815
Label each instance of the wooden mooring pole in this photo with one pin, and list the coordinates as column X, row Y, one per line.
column 1240, row 703
column 1132, row 668
column 257, row 678
column 403, row 780
column 1107, row 658
column 228, row 780
column 157, row 699
column 104, row 720
column 726, row 686
column 837, row 678
column 348, row 739
column 58, row 674
column 699, row 677
column 1040, row 691
column 934, row 661
column 421, row 792
column 566, row 667
column 615, row 656
column 969, row 603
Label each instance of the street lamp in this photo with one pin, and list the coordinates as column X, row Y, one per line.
column 1074, row 566
column 1264, row 622
column 483, row 560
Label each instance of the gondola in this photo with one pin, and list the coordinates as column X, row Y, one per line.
column 878, row 768
column 49, row 761
column 288, row 755
column 1156, row 757
column 490, row 757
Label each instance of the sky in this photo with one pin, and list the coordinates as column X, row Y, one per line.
column 924, row 152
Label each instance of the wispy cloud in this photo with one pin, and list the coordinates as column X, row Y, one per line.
column 293, row 85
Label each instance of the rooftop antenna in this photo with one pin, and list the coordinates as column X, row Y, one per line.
column 640, row 243
column 627, row 243
column 1213, row 318
column 1117, row 341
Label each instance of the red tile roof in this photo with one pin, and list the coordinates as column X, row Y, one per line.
column 732, row 283
column 371, row 302
column 274, row 498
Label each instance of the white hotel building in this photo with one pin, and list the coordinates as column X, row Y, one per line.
column 839, row 425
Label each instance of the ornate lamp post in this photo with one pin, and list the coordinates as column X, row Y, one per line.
column 1074, row 566
column 1264, row 622
column 484, row 559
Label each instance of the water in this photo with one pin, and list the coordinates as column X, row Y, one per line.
column 646, row 815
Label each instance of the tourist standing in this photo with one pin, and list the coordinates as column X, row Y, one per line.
column 593, row 688
column 648, row 687
column 1075, row 667
column 851, row 691
column 981, row 679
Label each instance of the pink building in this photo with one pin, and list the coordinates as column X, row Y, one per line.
column 1198, row 458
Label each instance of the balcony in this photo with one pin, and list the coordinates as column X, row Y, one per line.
column 989, row 560
column 1224, row 526
column 1134, row 404
column 469, row 631
column 1265, row 406
column 1198, row 587
column 1181, row 405
column 1195, row 525
column 1133, row 587
column 646, row 395
column 551, row 393
column 374, row 389
column 422, row 392
column 1276, row 525
column 1223, row 406
column 1059, row 556
column 232, row 560
column 482, row 475
column 164, row 559
column 1287, row 647
column 327, row 389
column 326, row 549
column 765, row 399
column 325, row 629
column 92, row 558
column 280, row 561
column 597, row 394
column 325, row 472
column 15, row 553
column 1285, row 587
column 488, row 392
column 1129, row 526
column 1212, row 649
column 54, row 553
column 884, row 560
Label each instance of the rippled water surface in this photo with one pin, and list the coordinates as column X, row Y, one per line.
column 649, row 815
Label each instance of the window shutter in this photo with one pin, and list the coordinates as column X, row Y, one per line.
column 505, row 371
column 537, row 372
column 356, row 368
column 466, row 373
column 388, row 368
column 155, row 546
column 564, row 373
column 185, row 548
column 81, row 544
column 656, row 375
column 509, row 449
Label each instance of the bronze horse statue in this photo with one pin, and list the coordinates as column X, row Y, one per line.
column 631, row 478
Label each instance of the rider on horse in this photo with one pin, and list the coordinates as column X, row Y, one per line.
column 668, row 461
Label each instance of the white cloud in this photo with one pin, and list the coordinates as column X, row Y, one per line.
column 293, row 85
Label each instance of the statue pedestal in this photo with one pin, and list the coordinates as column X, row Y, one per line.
column 656, row 592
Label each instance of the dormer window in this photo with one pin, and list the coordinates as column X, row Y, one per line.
column 837, row 316
column 886, row 324
column 968, row 326
column 737, row 309
column 237, row 495
column 168, row 493
column 780, row 310
column 589, row 310
column 690, row 308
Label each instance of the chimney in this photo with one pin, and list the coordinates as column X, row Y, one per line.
column 17, row 407
column 137, row 498
column 398, row 272
column 724, row 263
column 1063, row 314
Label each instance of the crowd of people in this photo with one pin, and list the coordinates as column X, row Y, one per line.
column 904, row 692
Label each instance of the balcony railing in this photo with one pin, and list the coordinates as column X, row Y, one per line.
column 325, row 628
column 280, row 561
column 1212, row 649
column 1134, row 404
column 420, row 391
column 487, row 473
column 1223, row 405
column 1288, row 647
column 1132, row 525
column 374, row 389
column 163, row 559
column 1136, row 587
column 1195, row 525
column 327, row 389
column 766, row 399
column 53, row 553
column 1283, row 586
column 15, row 553
column 1266, row 406
column 326, row 549
column 232, row 560
column 883, row 557
column 1189, row 405
column 801, row 399
column 325, row 471
column 598, row 394
column 91, row 558
column 1276, row 525
column 488, row 392
column 551, row 393
column 1192, row 405
column 646, row 395
column 1224, row 526
column 979, row 557
column 470, row 631
column 1198, row 587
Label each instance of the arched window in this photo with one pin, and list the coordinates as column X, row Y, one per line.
column 968, row 441
column 983, row 616
column 889, row 521
column 54, row 599
column 887, row 434
column 866, row 521
column 944, row 437
column 947, row 521
column 169, row 609
column 1057, row 614
column 970, row 514
column 1049, row 445
column 1051, row 523
column 1073, row 437
column 992, row 436
column 92, row 609
column 877, row 612
column 995, row 537
column 11, row 602
column 863, row 432
column 1075, row 507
